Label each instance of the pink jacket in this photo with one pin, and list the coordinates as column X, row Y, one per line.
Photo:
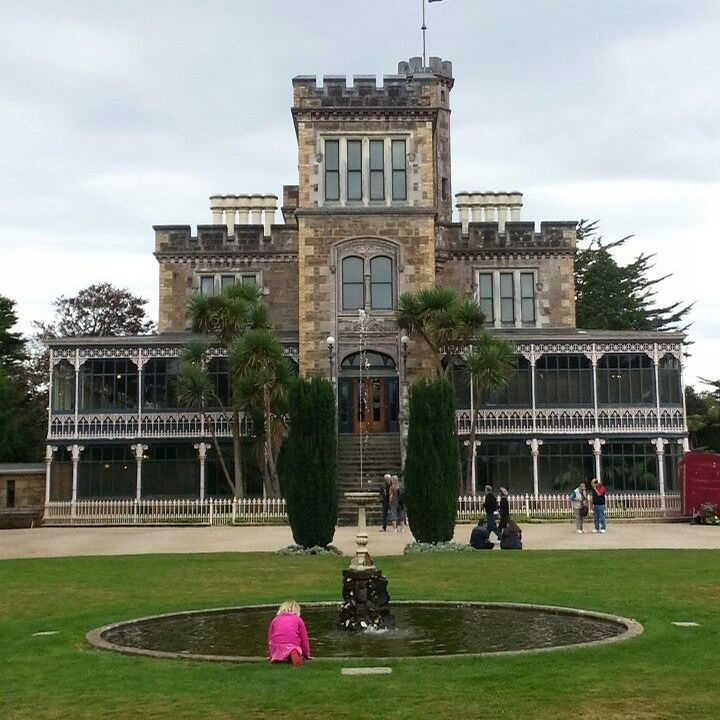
column 287, row 633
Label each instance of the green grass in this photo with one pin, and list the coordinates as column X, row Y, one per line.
column 668, row 672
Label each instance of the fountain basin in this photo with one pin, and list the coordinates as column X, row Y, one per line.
column 424, row 629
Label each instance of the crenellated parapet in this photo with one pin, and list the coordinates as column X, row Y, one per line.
column 409, row 88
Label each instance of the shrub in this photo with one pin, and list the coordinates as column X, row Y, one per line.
column 309, row 463
column 432, row 464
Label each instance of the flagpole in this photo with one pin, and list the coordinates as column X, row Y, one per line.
column 424, row 28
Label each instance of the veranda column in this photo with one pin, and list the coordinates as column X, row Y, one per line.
column 594, row 361
column 202, row 449
column 660, row 444
column 77, row 389
column 684, row 444
column 532, row 386
column 656, row 363
column 597, row 445
column 75, row 451
column 473, row 450
column 49, row 450
column 139, row 449
column 535, row 444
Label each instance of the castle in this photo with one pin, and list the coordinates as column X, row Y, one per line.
column 371, row 217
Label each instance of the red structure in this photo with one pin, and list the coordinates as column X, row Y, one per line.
column 699, row 480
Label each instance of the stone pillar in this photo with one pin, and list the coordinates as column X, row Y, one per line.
column 216, row 207
column 535, row 444
column 256, row 209
column 270, row 207
column 243, row 208
column 49, row 450
column 597, row 445
column 139, row 450
column 476, row 200
column 488, row 205
column 75, row 451
column 515, row 206
column 660, row 444
column 230, row 214
column 462, row 202
column 202, row 449
column 502, row 207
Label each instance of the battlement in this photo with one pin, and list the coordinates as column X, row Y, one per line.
column 251, row 239
column 409, row 88
column 557, row 236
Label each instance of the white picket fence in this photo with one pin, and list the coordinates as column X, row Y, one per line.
column 557, row 506
column 180, row 511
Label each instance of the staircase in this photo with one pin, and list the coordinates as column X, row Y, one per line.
column 381, row 455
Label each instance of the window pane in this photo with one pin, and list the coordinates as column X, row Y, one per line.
column 226, row 281
column 249, row 279
column 354, row 185
column 399, row 185
column 381, row 269
column 381, row 296
column 506, row 311
column 506, row 285
column 332, row 170
column 377, row 185
column 354, row 154
column 352, row 296
column 398, row 155
column 332, row 155
column 528, row 310
column 527, row 285
column 377, row 155
column 207, row 284
column 352, row 270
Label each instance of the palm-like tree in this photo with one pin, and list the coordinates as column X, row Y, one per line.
column 196, row 390
column 225, row 318
column 489, row 363
column 443, row 320
column 261, row 375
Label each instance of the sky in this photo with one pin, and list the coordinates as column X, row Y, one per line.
column 118, row 116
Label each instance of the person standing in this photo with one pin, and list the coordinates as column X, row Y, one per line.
column 504, row 509
column 394, row 501
column 385, row 490
column 579, row 500
column 598, row 501
column 491, row 507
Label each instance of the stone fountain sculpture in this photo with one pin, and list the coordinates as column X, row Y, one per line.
column 366, row 602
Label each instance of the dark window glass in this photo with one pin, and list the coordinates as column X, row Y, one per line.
column 399, row 173
column 626, row 380
column 562, row 466
column 461, row 387
column 160, row 384
column 207, row 285
column 370, row 361
column 226, row 281
column 673, row 455
column 444, row 189
column 10, row 494
column 63, row 388
column 107, row 471
column 670, row 381
column 504, row 464
column 381, row 286
column 563, row 380
column 354, row 169
column 517, row 392
column 250, row 279
column 377, row 170
column 332, row 170
column 108, row 384
column 218, row 372
column 171, row 470
column 353, row 283
column 630, row 467
column 507, row 299
column 485, row 296
column 527, row 298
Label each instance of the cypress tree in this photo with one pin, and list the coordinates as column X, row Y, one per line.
column 309, row 462
column 432, row 463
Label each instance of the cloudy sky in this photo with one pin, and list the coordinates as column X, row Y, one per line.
column 115, row 116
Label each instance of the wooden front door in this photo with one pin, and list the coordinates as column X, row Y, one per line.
column 369, row 405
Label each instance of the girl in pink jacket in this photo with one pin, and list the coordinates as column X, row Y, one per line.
column 287, row 636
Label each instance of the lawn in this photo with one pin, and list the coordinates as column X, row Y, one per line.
column 668, row 672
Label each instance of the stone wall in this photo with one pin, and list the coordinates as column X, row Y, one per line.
column 29, row 493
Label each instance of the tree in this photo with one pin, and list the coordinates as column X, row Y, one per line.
column 432, row 464
column 223, row 318
column 262, row 375
column 309, row 463
column 442, row 319
column 12, row 345
column 610, row 296
column 489, row 363
column 703, row 416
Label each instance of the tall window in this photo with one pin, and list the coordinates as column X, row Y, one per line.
column 563, row 380
column 63, row 386
column 625, row 380
column 353, row 283
column 630, row 466
column 485, row 296
column 399, row 173
column 207, row 285
column 218, row 372
column 563, row 465
column 507, row 299
column 170, row 470
column 505, row 463
column 669, row 380
column 381, row 287
column 527, row 298
column 332, row 169
column 159, row 379
column 107, row 471
column 377, row 169
column 108, row 384
column 226, row 281
column 354, row 169
column 517, row 391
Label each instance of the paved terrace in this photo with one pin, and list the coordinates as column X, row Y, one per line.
column 68, row 542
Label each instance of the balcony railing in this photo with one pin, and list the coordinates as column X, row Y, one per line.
column 572, row 420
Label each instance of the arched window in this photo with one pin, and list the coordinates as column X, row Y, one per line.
column 669, row 379
column 381, row 285
column 369, row 360
column 63, row 395
column 353, row 283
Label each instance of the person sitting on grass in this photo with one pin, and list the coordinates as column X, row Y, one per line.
column 480, row 537
column 287, row 636
column 511, row 538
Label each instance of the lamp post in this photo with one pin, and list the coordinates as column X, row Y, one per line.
column 404, row 340
column 331, row 355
